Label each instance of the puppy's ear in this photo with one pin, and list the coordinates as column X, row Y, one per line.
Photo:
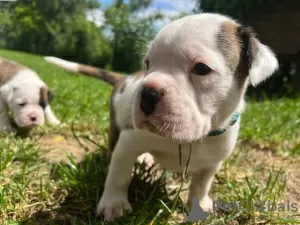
column 260, row 61
column 46, row 96
column 50, row 96
column 7, row 92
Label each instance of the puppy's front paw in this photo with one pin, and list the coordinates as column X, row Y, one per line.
column 207, row 204
column 146, row 158
column 55, row 122
column 112, row 207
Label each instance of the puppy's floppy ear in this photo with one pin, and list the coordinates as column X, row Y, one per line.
column 50, row 96
column 46, row 96
column 260, row 61
column 7, row 92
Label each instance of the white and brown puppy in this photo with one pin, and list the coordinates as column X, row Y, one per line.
column 24, row 94
column 198, row 69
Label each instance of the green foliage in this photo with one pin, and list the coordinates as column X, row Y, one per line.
column 130, row 33
column 81, row 41
column 60, row 28
column 57, row 28
column 265, row 119
column 5, row 24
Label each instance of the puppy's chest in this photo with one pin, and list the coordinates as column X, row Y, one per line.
column 175, row 157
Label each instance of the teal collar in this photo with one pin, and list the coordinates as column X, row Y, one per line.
column 235, row 117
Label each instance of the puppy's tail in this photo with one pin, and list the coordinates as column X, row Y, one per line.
column 107, row 76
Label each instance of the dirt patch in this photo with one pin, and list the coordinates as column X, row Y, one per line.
column 256, row 164
column 57, row 148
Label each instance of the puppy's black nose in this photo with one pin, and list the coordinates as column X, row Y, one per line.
column 33, row 118
column 149, row 98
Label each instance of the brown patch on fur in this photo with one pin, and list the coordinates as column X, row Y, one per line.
column 238, row 46
column 43, row 97
column 122, row 87
column 109, row 77
column 8, row 69
column 248, row 52
column 129, row 127
column 229, row 44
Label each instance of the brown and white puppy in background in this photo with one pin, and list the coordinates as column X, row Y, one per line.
column 24, row 94
column 198, row 69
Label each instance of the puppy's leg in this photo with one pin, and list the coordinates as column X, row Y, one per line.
column 51, row 118
column 115, row 195
column 200, row 186
column 5, row 123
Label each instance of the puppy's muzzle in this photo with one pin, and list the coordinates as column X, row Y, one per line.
column 33, row 117
column 149, row 98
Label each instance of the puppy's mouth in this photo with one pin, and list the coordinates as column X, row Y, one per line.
column 174, row 127
column 31, row 126
column 178, row 123
column 164, row 130
column 151, row 127
column 22, row 128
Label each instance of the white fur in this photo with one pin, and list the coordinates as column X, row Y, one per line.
column 192, row 106
column 23, row 87
column 50, row 116
column 263, row 66
column 72, row 66
column 125, row 101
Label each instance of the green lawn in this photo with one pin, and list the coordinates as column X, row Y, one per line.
column 36, row 189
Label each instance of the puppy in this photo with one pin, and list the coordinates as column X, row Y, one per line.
column 198, row 69
column 24, row 94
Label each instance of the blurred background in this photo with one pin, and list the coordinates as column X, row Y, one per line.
column 113, row 34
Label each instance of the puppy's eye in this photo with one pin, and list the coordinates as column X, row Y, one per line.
column 22, row 104
column 147, row 63
column 201, row 69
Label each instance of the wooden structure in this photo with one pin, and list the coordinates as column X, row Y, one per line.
column 277, row 25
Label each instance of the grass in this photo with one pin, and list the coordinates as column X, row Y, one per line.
column 274, row 124
column 35, row 189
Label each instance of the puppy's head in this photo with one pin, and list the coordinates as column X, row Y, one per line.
column 27, row 101
column 198, row 68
